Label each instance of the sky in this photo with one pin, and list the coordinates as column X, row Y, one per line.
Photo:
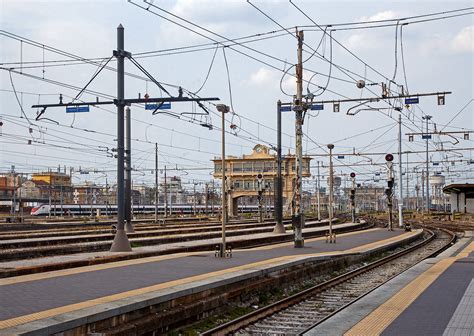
column 437, row 56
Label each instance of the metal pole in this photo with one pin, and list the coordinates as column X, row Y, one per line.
column 331, row 182
column 400, row 181
column 106, row 196
column 407, row 189
column 423, row 190
column 156, row 183
column 390, row 199
column 14, row 195
column 213, row 197
column 279, row 227
column 224, row 198
column 318, row 185
column 120, row 243
column 427, row 118
column 49, row 199
column 194, row 198
column 128, row 171
column 353, row 210
column 166, row 194
column 206, row 198
column 298, row 219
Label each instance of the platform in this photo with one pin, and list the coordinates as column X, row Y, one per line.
column 60, row 300
column 202, row 242
column 435, row 297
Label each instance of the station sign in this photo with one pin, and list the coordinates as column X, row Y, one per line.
column 158, row 106
column 77, row 109
column 414, row 100
column 426, row 136
column 340, row 156
column 317, row 107
column 286, row 108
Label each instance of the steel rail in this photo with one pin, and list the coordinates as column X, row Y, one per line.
column 275, row 307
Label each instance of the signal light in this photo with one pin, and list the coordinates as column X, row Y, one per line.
column 389, row 157
column 353, row 175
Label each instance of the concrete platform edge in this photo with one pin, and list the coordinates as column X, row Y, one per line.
column 349, row 317
column 81, row 317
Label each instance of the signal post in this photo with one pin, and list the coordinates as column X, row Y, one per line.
column 389, row 190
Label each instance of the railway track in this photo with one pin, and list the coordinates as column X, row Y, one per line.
column 298, row 313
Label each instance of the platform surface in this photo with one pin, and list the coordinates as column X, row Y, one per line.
column 154, row 248
column 435, row 297
column 35, row 297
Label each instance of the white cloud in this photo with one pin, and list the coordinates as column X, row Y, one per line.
column 362, row 41
column 262, row 77
column 366, row 40
column 463, row 41
column 385, row 15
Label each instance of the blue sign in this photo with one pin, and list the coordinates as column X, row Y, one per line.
column 340, row 156
column 317, row 107
column 76, row 109
column 426, row 136
column 285, row 108
column 435, row 163
column 415, row 100
column 158, row 106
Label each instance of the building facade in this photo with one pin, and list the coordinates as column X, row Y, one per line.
column 58, row 184
column 241, row 173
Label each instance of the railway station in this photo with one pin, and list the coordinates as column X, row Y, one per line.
column 247, row 167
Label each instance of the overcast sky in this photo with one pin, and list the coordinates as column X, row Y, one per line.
column 438, row 56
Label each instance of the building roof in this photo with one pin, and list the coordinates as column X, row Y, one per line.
column 459, row 188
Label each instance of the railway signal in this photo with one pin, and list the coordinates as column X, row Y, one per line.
column 389, row 190
column 352, row 197
column 260, row 189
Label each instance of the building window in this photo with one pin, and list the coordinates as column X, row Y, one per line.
column 218, row 168
column 248, row 185
column 248, row 167
column 269, row 184
column 237, row 167
column 258, row 166
column 269, row 166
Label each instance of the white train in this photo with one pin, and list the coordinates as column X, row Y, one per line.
column 105, row 210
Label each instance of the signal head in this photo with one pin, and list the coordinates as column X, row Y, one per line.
column 353, row 175
column 389, row 157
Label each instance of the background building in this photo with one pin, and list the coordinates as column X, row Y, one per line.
column 241, row 173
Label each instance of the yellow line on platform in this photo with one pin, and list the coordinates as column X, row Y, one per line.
column 106, row 299
column 377, row 321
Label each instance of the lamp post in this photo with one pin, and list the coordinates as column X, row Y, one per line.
column 427, row 137
column 332, row 238
column 223, row 109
